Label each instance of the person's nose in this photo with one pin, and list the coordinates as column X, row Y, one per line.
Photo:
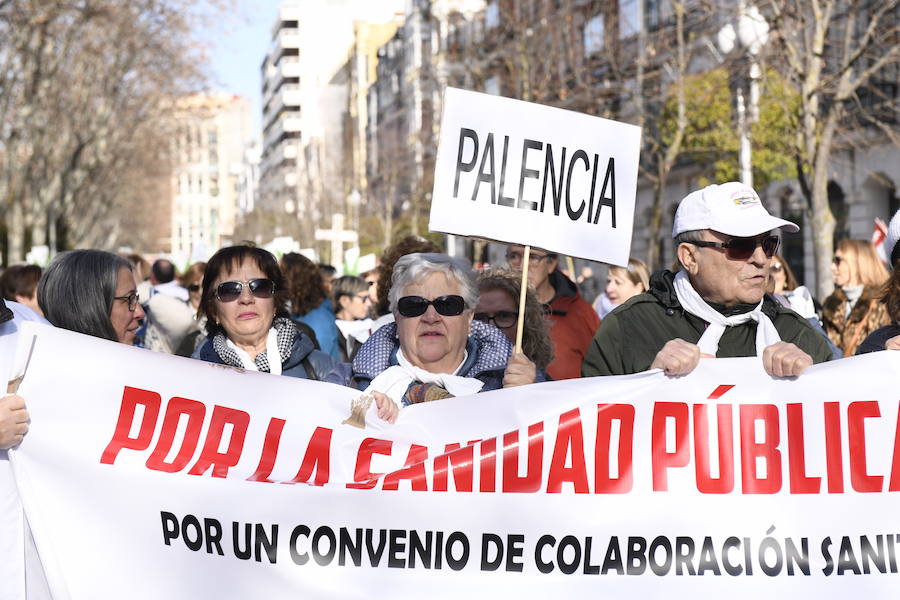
column 139, row 311
column 759, row 257
column 431, row 315
column 246, row 296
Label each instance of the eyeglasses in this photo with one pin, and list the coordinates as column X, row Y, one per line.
column 415, row 306
column 364, row 296
column 516, row 257
column 194, row 287
column 743, row 248
column 230, row 291
column 837, row 260
column 131, row 298
column 776, row 267
column 503, row 319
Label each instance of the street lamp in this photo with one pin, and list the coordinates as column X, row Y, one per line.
column 746, row 36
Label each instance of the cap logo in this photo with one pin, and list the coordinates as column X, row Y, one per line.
column 745, row 197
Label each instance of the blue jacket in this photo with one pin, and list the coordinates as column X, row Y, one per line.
column 321, row 319
column 303, row 353
column 487, row 348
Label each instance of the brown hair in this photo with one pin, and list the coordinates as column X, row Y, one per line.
column 790, row 282
column 19, row 280
column 305, row 286
column 230, row 259
column 536, row 343
column 408, row 245
column 869, row 268
column 193, row 274
column 141, row 266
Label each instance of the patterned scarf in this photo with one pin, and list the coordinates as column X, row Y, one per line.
column 287, row 333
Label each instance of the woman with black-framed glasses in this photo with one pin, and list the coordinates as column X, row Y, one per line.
column 434, row 349
column 91, row 292
column 244, row 301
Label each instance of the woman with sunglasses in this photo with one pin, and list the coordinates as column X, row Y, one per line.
column 351, row 302
column 498, row 305
column 248, row 326
column 854, row 309
column 91, row 292
column 433, row 349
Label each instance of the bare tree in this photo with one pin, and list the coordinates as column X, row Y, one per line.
column 87, row 89
column 835, row 52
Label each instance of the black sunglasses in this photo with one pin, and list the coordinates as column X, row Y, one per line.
column 230, row 291
column 503, row 319
column 740, row 248
column 415, row 306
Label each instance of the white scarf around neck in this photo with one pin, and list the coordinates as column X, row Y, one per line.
column 690, row 300
column 271, row 353
column 394, row 381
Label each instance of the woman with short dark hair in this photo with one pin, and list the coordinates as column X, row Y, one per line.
column 244, row 300
column 91, row 292
column 351, row 303
column 18, row 283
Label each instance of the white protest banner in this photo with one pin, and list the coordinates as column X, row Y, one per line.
column 528, row 174
column 151, row 476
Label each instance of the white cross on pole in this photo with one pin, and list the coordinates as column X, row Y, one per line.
column 337, row 235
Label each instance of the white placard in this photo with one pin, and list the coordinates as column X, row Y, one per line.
column 529, row 174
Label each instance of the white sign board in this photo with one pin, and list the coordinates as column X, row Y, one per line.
column 151, row 476
column 528, row 174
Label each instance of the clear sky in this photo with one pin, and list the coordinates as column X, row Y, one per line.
column 239, row 42
column 237, row 48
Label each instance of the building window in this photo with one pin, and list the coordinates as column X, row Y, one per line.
column 593, row 35
column 492, row 15
column 629, row 18
column 492, row 86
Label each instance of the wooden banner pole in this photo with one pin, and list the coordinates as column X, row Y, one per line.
column 522, row 291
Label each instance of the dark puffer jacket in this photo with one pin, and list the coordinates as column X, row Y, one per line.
column 303, row 356
column 631, row 335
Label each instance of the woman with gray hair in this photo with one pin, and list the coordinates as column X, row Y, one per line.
column 434, row 349
column 91, row 292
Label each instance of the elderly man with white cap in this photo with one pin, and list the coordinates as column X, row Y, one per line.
column 715, row 305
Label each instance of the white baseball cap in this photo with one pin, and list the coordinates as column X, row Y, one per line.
column 731, row 208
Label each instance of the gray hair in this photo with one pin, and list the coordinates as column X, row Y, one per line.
column 686, row 237
column 76, row 291
column 413, row 267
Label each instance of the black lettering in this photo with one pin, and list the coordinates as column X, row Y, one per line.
column 504, row 200
column 353, row 546
column 324, row 558
column 515, row 547
column 213, row 535
column 550, row 173
column 465, row 166
column 398, row 547
column 544, row 540
column 609, row 181
column 299, row 559
column 579, row 155
column 527, row 173
column 169, row 526
column 491, row 541
column 484, row 177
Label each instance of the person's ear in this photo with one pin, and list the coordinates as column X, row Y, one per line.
column 687, row 257
column 345, row 301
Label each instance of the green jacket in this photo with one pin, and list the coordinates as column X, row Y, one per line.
column 632, row 334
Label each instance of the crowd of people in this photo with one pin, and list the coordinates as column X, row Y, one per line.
column 423, row 326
